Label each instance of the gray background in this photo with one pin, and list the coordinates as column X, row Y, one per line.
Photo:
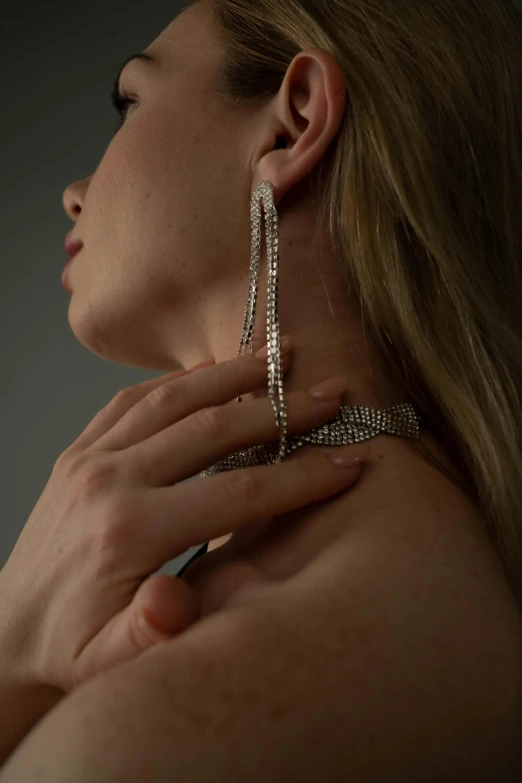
column 57, row 64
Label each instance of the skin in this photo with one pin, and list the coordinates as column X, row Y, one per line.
column 162, row 280
column 166, row 226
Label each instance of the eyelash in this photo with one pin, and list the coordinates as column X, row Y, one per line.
column 120, row 101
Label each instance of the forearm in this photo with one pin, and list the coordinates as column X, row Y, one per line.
column 23, row 702
column 21, row 708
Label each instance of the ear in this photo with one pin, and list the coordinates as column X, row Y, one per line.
column 304, row 118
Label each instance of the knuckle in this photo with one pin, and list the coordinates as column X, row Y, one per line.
column 69, row 463
column 124, row 395
column 63, row 461
column 213, row 421
column 162, row 395
column 95, row 475
column 245, row 483
column 112, row 534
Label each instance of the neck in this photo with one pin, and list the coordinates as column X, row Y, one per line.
column 328, row 338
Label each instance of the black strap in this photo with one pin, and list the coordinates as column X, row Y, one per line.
column 199, row 553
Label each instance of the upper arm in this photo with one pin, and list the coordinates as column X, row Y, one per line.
column 349, row 672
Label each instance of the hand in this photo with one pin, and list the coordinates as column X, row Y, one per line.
column 75, row 593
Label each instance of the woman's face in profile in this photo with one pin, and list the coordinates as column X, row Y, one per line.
column 165, row 215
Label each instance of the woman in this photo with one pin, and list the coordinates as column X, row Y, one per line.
column 384, row 142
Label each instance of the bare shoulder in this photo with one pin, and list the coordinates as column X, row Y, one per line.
column 403, row 527
column 407, row 645
column 408, row 525
column 411, row 607
column 376, row 641
column 430, row 638
column 394, row 609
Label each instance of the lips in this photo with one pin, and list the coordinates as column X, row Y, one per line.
column 72, row 246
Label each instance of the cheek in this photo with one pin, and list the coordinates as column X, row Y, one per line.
column 165, row 197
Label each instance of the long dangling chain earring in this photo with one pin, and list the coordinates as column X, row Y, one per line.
column 265, row 192
column 352, row 423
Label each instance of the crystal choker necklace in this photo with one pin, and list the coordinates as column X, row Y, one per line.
column 351, row 424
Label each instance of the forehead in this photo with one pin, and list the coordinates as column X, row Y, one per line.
column 188, row 39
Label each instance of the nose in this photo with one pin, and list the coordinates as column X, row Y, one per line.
column 74, row 196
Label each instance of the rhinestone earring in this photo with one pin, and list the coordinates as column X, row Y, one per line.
column 352, row 423
column 265, row 193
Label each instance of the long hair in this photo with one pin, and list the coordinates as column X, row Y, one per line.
column 423, row 197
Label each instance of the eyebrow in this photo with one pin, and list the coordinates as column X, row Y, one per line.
column 139, row 56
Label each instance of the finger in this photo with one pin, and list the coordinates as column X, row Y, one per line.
column 235, row 500
column 175, row 400
column 121, row 403
column 193, row 444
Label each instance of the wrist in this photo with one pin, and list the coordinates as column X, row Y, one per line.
column 24, row 701
column 22, row 706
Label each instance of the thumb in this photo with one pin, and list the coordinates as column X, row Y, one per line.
column 163, row 607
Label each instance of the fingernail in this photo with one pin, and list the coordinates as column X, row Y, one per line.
column 286, row 344
column 346, row 458
column 329, row 390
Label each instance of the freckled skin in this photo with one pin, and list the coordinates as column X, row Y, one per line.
column 165, row 221
column 161, row 285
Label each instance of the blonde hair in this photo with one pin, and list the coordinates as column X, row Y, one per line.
column 424, row 200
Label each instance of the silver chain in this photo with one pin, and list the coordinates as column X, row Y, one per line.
column 351, row 424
